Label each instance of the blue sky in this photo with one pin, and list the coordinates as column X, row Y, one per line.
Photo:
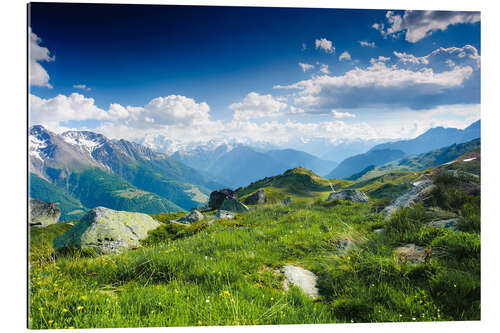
column 187, row 73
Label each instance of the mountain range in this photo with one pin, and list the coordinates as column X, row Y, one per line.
column 94, row 170
column 239, row 165
column 434, row 138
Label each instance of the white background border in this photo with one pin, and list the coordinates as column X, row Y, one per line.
column 13, row 154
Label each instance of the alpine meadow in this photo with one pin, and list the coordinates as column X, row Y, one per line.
column 213, row 165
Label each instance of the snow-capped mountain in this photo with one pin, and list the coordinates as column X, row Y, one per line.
column 61, row 159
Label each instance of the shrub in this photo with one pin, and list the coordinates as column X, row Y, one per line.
column 471, row 217
column 459, row 244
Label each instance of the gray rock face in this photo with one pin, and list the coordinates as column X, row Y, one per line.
column 448, row 224
column 233, row 205
column 192, row 216
column 348, row 195
column 287, row 201
column 302, row 278
column 415, row 194
column 43, row 213
column 107, row 231
column 217, row 197
column 258, row 198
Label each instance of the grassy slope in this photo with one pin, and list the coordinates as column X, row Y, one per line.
column 225, row 274
column 95, row 187
column 71, row 208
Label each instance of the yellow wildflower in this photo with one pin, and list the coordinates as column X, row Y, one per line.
column 65, row 310
column 50, row 322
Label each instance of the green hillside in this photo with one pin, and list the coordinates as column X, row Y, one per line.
column 229, row 273
column 95, row 187
column 71, row 208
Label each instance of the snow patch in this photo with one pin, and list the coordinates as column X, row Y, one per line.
column 469, row 159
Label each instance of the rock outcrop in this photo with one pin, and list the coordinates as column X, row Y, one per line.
column 417, row 193
column 348, row 195
column 411, row 253
column 42, row 214
column 107, row 231
column 233, row 205
column 448, row 224
column 258, row 198
column 191, row 217
column 217, row 197
column 302, row 278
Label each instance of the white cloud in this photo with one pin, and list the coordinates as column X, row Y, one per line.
column 379, row 59
column 365, row 43
column 410, row 58
column 324, row 69
column 82, row 87
column 345, row 56
column 53, row 111
column 418, row 24
column 338, row 115
column 325, row 45
column 304, row 46
column 305, row 67
column 466, row 54
column 38, row 76
column 257, row 106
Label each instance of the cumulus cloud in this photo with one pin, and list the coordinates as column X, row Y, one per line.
column 255, row 105
column 345, row 56
column 54, row 111
column 325, row 45
column 365, row 43
column 38, row 76
column 467, row 54
column 400, row 84
column 418, row 24
column 379, row 59
column 82, row 87
column 305, row 67
column 324, row 69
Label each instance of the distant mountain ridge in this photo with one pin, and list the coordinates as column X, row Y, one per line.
column 434, row 138
column 132, row 172
column 240, row 165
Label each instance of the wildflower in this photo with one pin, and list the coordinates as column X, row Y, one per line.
column 207, row 301
column 272, row 299
column 79, row 307
column 413, row 318
column 455, row 285
column 219, row 273
column 348, row 258
column 199, row 322
column 41, row 308
column 106, row 312
column 50, row 322
column 71, row 327
column 65, row 310
column 83, row 298
column 226, row 292
column 400, row 315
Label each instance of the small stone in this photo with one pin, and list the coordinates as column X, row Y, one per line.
column 302, row 278
column 447, row 224
column 193, row 216
column 411, row 253
column 287, row 201
column 43, row 213
column 233, row 205
column 258, row 198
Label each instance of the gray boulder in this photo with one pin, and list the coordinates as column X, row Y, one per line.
column 302, row 278
column 411, row 253
column 224, row 214
column 416, row 194
column 107, row 231
column 42, row 213
column 348, row 195
column 447, row 224
column 193, row 216
column 233, row 205
column 258, row 198
column 217, row 197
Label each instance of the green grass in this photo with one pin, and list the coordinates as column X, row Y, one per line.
column 228, row 273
